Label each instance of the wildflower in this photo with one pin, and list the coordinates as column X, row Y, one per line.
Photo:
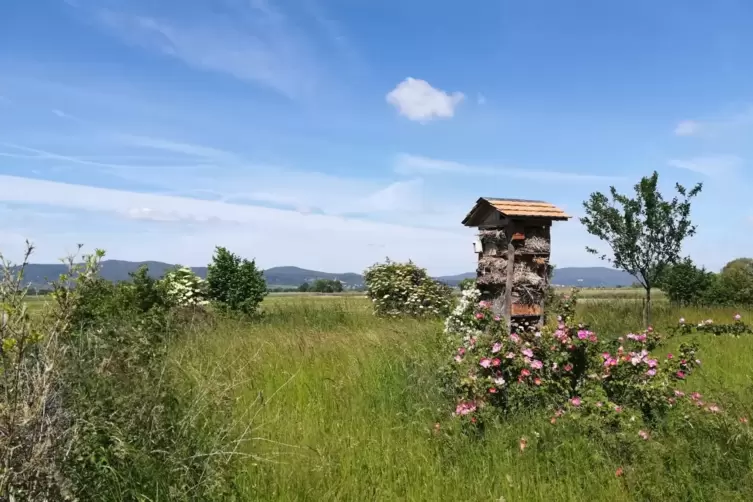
column 698, row 362
column 743, row 420
column 496, row 361
column 527, row 352
column 605, row 355
column 523, row 443
column 473, row 420
column 461, row 351
column 536, row 364
column 593, row 338
column 458, row 358
column 499, row 381
column 682, row 320
column 679, row 393
column 436, row 427
column 514, row 338
column 618, row 472
column 524, row 372
column 553, row 420
column 582, row 334
column 492, row 390
column 510, row 355
column 708, row 321
column 714, row 408
column 695, row 396
column 485, row 362
column 497, row 318
column 568, row 367
column 465, row 407
column 680, row 375
column 537, row 381
column 479, row 315
column 650, row 329
column 537, row 334
column 496, row 347
column 651, row 372
column 618, row 409
column 555, row 366
column 643, row 434
column 670, row 356
column 559, row 318
column 738, row 317
column 559, row 413
column 599, row 404
column 483, row 304
column 575, row 401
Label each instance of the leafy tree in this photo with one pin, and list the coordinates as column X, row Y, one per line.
column 645, row 233
column 736, row 280
column 235, row 283
column 304, row 288
column 397, row 289
column 326, row 286
column 684, row 283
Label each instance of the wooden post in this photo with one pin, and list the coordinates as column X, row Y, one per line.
column 511, row 229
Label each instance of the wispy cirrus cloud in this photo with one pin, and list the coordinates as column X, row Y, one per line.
column 253, row 41
column 715, row 165
column 417, row 164
column 716, row 126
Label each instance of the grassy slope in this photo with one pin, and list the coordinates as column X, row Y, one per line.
column 343, row 406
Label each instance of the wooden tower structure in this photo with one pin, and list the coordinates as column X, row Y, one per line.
column 513, row 248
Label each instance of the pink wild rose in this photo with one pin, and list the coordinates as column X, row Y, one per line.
column 536, row 364
column 527, row 352
column 485, row 362
column 575, row 401
column 496, row 347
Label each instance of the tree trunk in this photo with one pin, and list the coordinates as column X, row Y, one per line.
column 647, row 311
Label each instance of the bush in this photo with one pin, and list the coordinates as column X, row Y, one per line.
column 405, row 289
column 736, row 281
column 467, row 283
column 235, row 284
column 184, row 288
column 565, row 369
column 686, row 284
column 90, row 405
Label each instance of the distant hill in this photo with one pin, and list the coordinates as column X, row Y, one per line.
column 118, row 270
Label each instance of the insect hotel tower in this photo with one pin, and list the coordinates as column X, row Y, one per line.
column 513, row 248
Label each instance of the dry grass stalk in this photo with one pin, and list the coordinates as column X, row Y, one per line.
column 537, row 244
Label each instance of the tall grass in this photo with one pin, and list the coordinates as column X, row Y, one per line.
column 336, row 404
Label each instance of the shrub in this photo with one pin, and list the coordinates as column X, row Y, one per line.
column 684, row 283
column 235, row 284
column 564, row 369
column 736, row 280
column 405, row 289
column 467, row 283
column 185, row 288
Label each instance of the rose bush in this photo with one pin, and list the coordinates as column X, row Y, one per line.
column 562, row 369
column 735, row 328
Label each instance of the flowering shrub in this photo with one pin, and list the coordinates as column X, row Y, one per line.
column 185, row 288
column 736, row 328
column 406, row 289
column 565, row 369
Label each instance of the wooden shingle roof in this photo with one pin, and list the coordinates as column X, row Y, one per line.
column 514, row 209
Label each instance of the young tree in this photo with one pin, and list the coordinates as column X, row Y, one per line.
column 645, row 232
column 736, row 280
column 235, row 283
column 304, row 287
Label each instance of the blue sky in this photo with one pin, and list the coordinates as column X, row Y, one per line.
column 329, row 134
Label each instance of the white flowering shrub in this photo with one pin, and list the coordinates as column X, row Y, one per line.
column 185, row 288
column 398, row 289
column 459, row 326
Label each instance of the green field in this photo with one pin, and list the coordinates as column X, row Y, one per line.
column 341, row 406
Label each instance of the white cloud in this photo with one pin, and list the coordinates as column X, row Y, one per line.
column 419, row 101
column 274, row 236
column 709, row 166
column 687, row 128
column 417, row 164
